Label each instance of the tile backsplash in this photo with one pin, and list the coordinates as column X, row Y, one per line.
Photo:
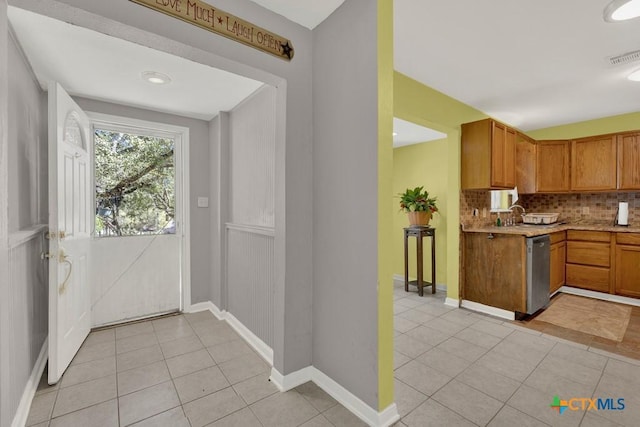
column 601, row 206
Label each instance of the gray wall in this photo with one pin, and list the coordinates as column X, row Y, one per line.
column 345, row 232
column 199, row 185
column 6, row 414
column 28, row 150
column 24, row 318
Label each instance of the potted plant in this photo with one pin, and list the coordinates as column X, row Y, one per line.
column 418, row 205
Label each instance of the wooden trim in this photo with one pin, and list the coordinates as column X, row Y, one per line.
column 252, row 229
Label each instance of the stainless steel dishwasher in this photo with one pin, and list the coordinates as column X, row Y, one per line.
column 538, row 260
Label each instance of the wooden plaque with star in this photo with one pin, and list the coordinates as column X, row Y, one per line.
column 210, row 18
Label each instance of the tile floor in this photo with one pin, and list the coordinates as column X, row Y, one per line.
column 187, row 370
column 453, row 367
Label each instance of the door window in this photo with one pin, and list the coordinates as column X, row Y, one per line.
column 135, row 183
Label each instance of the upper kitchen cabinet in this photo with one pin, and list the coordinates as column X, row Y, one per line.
column 594, row 163
column 488, row 155
column 525, row 164
column 629, row 161
column 552, row 166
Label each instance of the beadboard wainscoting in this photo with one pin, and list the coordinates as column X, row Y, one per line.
column 27, row 319
column 250, row 278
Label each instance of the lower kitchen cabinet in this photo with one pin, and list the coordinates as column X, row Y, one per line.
column 558, row 258
column 494, row 270
column 589, row 260
column 628, row 265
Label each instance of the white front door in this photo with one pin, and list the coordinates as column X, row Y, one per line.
column 69, row 230
column 137, row 248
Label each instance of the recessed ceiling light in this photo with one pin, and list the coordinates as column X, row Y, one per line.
column 635, row 76
column 622, row 10
column 156, row 78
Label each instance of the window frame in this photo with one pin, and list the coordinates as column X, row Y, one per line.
column 156, row 130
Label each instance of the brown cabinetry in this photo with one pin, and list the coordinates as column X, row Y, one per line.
column 589, row 260
column 628, row 264
column 488, row 155
column 629, row 161
column 494, row 270
column 594, row 163
column 558, row 257
column 552, row 166
column 525, row 164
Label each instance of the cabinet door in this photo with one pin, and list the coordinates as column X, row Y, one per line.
column 629, row 162
column 503, row 156
column 525, row 164
column 558, row 257
column 594, row 163
column 498, row 147
column 628, row 270
column 509, row 164
column 494, row 270
column 552, row 166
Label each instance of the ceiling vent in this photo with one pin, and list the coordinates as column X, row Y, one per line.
column 625, row 58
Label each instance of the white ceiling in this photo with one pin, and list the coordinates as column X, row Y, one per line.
column 93, row 65
column 530, row 64
column 308, row 13
column 407, row 133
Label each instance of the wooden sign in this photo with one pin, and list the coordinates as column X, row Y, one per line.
column 217, row 21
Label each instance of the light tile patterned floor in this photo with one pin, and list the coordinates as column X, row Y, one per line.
column 453, row 367
column 187, row 370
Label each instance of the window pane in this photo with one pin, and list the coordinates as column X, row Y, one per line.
column 135, row 184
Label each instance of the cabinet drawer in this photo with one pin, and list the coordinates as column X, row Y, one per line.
column 628, row 238
column 560, row 236
column 588, row 253
column 587, row 277
column 589, row 236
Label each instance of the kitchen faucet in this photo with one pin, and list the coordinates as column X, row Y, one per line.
column 518, row 206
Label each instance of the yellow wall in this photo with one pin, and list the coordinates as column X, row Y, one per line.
column 600, row 126
column 425, row 165
column 385, row 206
column 422, row 105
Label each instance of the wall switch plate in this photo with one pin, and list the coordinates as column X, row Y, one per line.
column 585, row 210
column 203, row 202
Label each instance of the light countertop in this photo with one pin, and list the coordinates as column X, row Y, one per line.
column 537, row 230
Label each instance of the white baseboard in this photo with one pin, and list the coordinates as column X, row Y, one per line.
column 398, row 280
column 452, row 302
column 203, row 306
column 252, row 339
column 599, row 295
column 258, row 345
column 292, row 380
column 347, row 399
column 20, row 419
column 486, row 309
